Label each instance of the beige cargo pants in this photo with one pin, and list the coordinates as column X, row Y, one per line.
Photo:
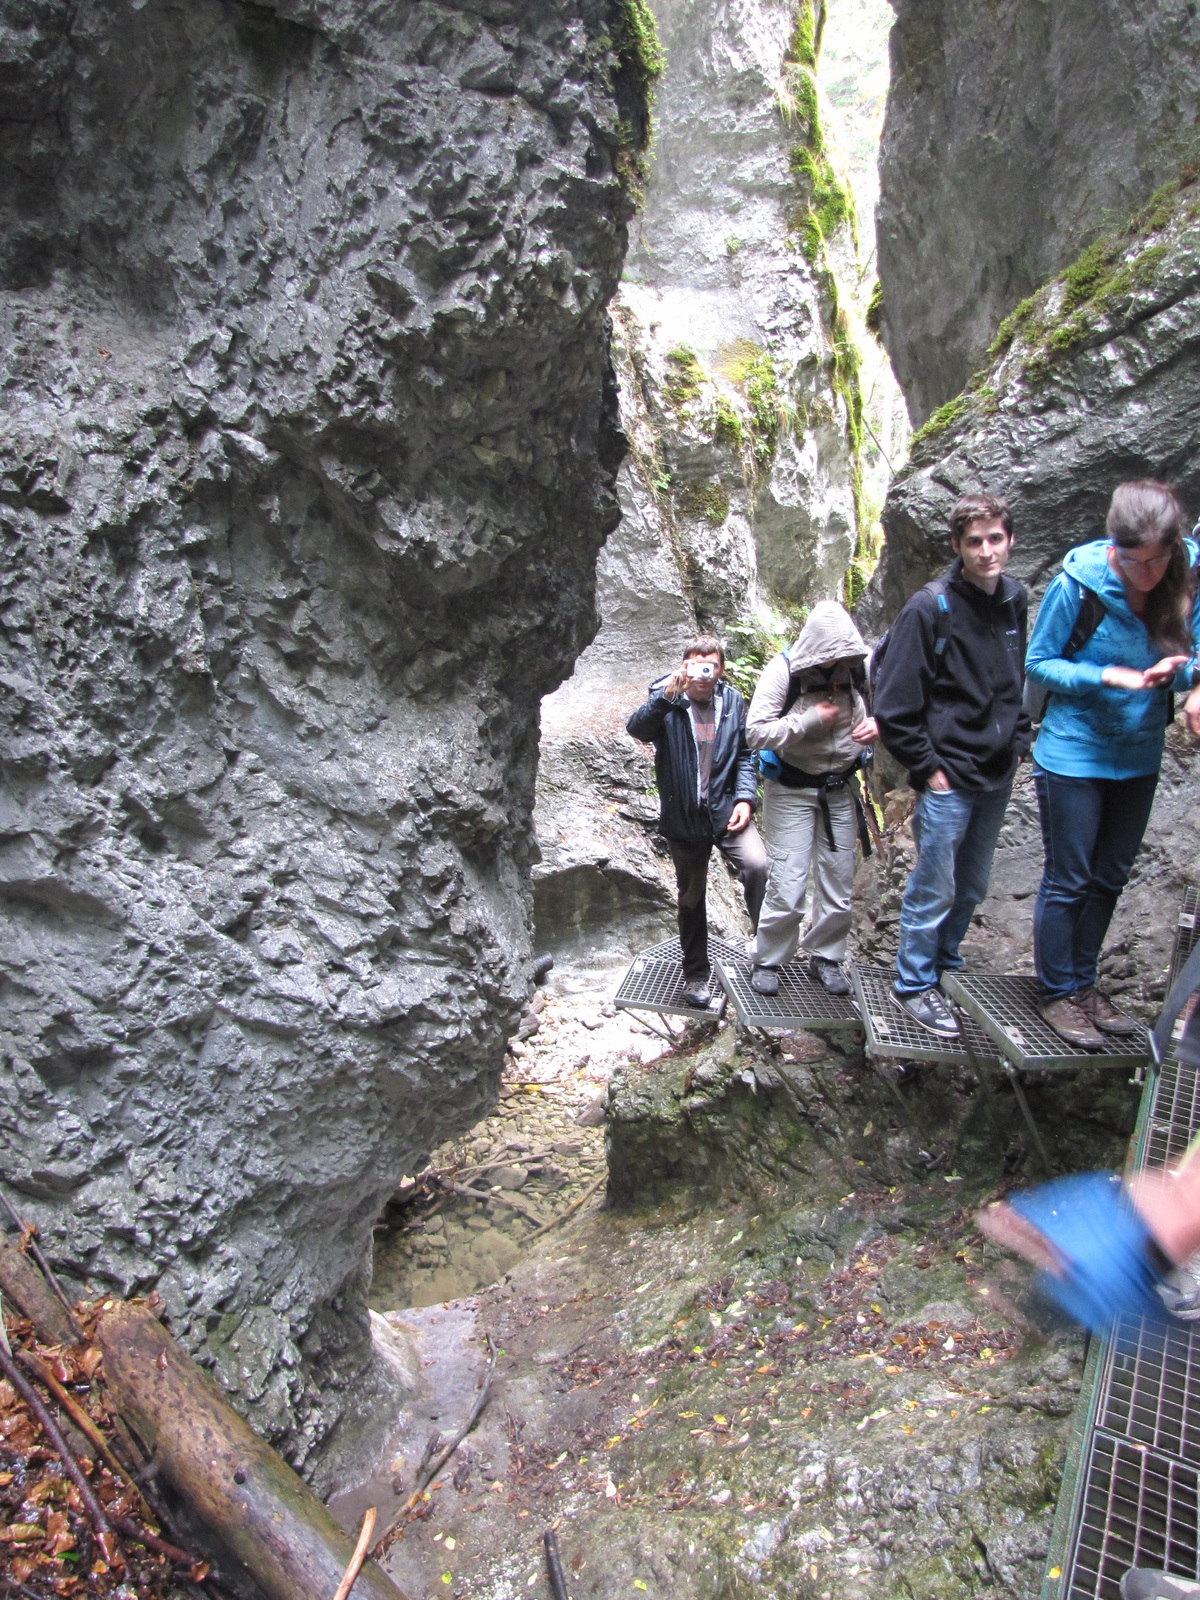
column 797, row 848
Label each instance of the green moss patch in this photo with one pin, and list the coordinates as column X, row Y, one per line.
column 685, row 377
column 707, row 500
column 640, row 64
column 874, row 316
column 726, row 424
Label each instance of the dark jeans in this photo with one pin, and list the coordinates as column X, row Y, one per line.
column 749, row 857
column 1091, row 830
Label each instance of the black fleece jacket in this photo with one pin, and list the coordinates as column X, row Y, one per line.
column 961, row 711
column 666, row 724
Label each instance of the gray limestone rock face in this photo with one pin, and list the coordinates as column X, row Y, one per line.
column 308, row 442
column 1095, row 385
column 1015, row 132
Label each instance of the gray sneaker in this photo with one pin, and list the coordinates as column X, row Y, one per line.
column 929, row 1008
column 1143, row 1583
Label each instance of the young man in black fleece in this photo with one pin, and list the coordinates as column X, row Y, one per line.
column 948, row 704
column 706, row 793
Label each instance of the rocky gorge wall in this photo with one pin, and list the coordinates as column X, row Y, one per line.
column 308, row 439
column 738, row 378
column 1089, row 382
column 1015, row 134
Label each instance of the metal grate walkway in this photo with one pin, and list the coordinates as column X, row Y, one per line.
column 1131, row 1486
column 893, row 1034
column 1006, row 1008
column 654, row 982
column 802, row 1002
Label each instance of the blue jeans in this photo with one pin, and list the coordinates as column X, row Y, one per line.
column 956, row 835
column 1091, row 830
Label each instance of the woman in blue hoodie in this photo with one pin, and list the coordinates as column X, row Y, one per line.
column 1097, row 756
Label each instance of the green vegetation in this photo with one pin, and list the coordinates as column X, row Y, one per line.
column 755, row 643
column 944, row 417
column 826, row 203
column 707, row 500
column 769, row 413
column 685, row 377
column 732, row 245
column 640, row 64
column 726, row 424
column 804, row 46
column 874, row 316
column 1064, row 313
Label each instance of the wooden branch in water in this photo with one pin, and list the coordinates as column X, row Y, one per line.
column 360, row 1552
column 571, row 1209
column 232, row 1480
column 500, row 1199
column 23, row 1286
column 426, row 1474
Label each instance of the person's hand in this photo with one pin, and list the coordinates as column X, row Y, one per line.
column 828, row 712
column 866, row 732
column 738, row 817
column 939, row 781
column 1191, row 712
column 1125, row 678
column 675, row 684
column 1162, row 672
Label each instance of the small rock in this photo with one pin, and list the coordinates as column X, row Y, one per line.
column 435, row 1224
column 592, row 1115
column 592, row 1022
column 511, row 1177
column 529, row 1026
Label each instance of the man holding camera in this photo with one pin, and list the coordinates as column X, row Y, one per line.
column 706, row 790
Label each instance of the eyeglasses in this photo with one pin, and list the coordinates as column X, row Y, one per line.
column 1132, row 564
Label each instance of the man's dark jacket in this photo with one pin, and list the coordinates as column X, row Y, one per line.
column 666, row 724
column 960, row 711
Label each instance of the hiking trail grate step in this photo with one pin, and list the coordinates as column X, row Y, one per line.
column 1140, row 1510
column 1006, row 1008
column 654, row 982
column 802, row 1002
column 1187, row 932
column 893, row 1033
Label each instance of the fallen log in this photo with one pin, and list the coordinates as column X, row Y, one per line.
column 23, row 1286
column 232, row 1481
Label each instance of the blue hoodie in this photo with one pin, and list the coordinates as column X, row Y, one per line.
column 1089, row 729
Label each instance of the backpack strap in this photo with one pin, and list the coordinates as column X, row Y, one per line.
column 1088, row 618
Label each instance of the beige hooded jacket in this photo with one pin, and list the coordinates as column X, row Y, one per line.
column 798, row 738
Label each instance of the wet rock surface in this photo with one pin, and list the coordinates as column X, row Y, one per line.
column 309, row 444
column 1015, row 133
column 1090, row 384
column 794, row 1369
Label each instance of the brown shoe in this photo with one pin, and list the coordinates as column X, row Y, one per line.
column 1072, row 1023
column 1098, row 1008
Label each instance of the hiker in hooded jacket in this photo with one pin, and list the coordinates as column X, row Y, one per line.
column 947, row 697
column 811, row 727
column 1115, row 640
column 707, row 792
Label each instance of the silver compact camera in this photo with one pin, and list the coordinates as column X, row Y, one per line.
column 704, row 670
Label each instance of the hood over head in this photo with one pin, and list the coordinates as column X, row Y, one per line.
column 828, row 635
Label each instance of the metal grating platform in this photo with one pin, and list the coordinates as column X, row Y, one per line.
column 654, row 982
column 893, row 1033
column 1150, row 1392
column 1140, row 1509
column 1186, row 932
column 802, row 1002
column 1006, row 1008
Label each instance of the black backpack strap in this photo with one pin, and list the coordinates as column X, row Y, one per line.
column 1088, row 618
column 939, row 589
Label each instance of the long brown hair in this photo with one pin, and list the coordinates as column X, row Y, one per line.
column 1148, row 512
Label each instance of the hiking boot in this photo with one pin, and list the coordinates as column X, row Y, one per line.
column 830, row 974
column 1099, row 1009
column 1072, row 1023
column 929, row 1008
column 765, row 980
column 698, row 992
column 1141, row 1583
